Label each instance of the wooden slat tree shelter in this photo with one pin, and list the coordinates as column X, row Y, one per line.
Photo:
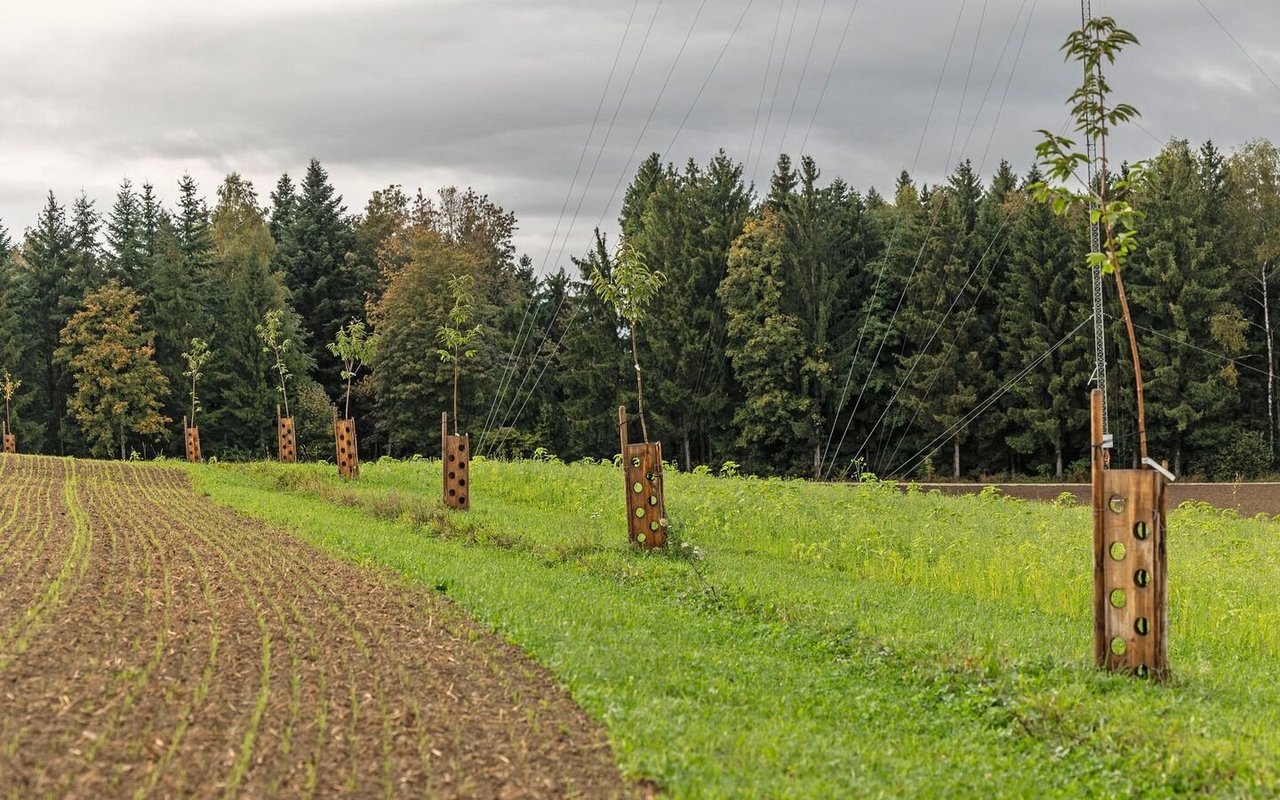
column 455, row 451
column 287, row 439
column 192, row 435
column 344, row 437
column 10, row 443
column 642, row 474
column 1130, row 580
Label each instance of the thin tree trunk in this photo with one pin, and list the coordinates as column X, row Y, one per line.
column 122, row 443
column 955, row 459
column 817, row 462
column 1271, row 362
column 688, row 452
column 1057, row 452
column 635, row 358
column 346, row 411
column 1124, row 301
column 456, row 376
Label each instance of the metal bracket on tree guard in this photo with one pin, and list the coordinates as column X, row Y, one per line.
column 1158, row 467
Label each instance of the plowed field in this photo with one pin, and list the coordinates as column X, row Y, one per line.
column 154, row 644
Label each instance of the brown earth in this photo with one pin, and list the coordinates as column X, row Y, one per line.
column 1249, row 499
column 153, row 644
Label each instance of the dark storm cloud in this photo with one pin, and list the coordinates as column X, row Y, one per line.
column 500, row 95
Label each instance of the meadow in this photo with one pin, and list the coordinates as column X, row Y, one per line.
column 810, row 640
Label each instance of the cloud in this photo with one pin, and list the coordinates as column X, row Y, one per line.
column 501, row 95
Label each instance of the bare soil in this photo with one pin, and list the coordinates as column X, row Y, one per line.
column 154, row 644
column 1249, row 499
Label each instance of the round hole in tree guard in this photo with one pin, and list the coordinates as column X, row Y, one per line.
column 451, row 456
column 1142, row 578
column 462, row 446
column 635, row 463
column 1116, row 503
column 637, row 487
column 1117, row 551
column 1118, row 646
column 462, row 482
column 653, row 499
column 452, row 475
column 1117, row 598
column 653, row 526
column 1140, row 530
column 639, row 512
column 453, row 492
column 1142, row 671
column 1142, row 626
column 462, row 465
column 462, row 500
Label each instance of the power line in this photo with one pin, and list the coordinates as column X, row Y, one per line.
column 884, row 262
column 1239, row 46
column 911, row 463
column 732, row 34
column 521, row 340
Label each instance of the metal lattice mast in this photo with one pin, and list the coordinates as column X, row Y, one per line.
column 1095, row 245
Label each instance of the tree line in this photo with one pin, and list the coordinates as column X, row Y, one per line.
column 807, row 328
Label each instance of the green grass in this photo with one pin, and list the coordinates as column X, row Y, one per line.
column 808, row 640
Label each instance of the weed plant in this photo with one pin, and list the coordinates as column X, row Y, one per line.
column 806, row 640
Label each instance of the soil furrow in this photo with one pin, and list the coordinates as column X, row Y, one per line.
column 209, row 655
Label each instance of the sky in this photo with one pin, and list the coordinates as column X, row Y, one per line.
column 548, row 107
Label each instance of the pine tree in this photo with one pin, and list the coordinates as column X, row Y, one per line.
column 17, row 356
column 592, row 366
column 49, row 254
column 313, row 253
column 243, row 288
column 767, row 349
column 192, row 229
column 127, row 255
column 87, row 269
column 941, row 375
column 1181, row 288
column 1046, row 297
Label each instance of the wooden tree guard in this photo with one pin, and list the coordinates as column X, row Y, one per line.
column 456, row 464
column 193, row 442
column 10, row 443
column 288, row 440
column 1130, row 582
column 344, row 435
column 642, row 474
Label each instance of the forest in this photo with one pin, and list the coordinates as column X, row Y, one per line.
column 804, row 328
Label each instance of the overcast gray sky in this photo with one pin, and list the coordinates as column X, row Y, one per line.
column 501, row 95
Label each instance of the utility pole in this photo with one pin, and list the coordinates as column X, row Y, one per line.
column 1095, row 245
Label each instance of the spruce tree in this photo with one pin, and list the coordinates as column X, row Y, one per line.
column 1181, row 288
column 592, row 366
column 49, row 253
column 767, row 349
column 239, row 386
column 313, row 254
column 1045, row 297
column 126, row 243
